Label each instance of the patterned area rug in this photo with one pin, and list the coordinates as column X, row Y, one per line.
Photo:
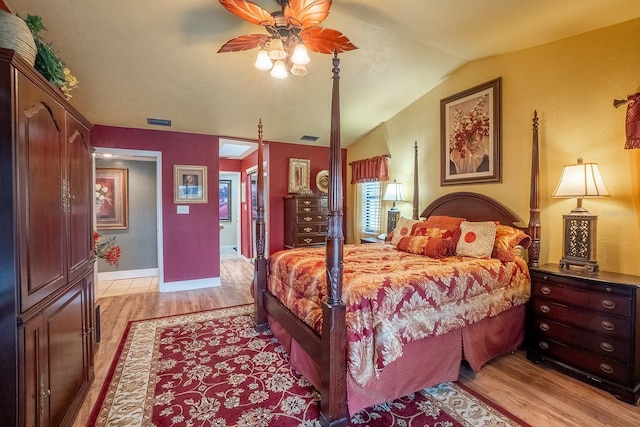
column 212, row 369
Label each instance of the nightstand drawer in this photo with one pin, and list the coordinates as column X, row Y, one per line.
column 594, row 321
column 599, row 366
column 606, row 346
column 619, row 305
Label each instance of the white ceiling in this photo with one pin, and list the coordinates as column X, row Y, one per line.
column 157, row 58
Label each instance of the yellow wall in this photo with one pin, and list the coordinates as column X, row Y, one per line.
column 572, row 84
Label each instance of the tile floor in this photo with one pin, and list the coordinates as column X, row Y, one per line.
column 111, row 288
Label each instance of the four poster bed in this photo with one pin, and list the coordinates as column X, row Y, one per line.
column 367, row 324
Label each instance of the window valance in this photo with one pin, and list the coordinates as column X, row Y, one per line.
column 368, row 170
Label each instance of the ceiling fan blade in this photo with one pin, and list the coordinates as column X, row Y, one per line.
column 325, row 40
column 249, row 12
column 246, row 42
column 306, row 13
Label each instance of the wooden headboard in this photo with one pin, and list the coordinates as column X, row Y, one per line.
column 473, row 207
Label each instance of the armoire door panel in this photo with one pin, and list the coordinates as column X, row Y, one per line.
column 42, row 208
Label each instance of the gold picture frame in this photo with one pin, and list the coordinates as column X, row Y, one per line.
column 189, row 184
column 471, row 135
column 299, row 174
column 111, row 199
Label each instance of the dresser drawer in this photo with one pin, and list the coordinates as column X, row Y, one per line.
column 310, row 240
column 606, row 346
column 311, row 205
column 312, row 229
column 594, row 321
column 606, row 302
column 593, row 364
column 311, row 218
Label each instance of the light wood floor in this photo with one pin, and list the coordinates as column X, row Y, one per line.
column 538, row 395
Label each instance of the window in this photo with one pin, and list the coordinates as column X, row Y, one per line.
column 370, row 207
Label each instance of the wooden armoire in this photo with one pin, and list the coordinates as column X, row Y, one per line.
column 47, row 315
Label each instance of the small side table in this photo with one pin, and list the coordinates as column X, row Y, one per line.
column 364, row 240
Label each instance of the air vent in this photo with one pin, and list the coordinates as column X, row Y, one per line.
column 159, row 122
column 309, row 138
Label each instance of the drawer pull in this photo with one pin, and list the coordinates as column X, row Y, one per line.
column 308, row 240
column 544, row 327
column 308, row 218
column 608, row 347
column 320, row 216
column 545, row 290
column 607, row 326
column 543, row 345
column 607, row 369
column 545, row 308
column 308, row 229
column 608, row 289
column 307, row 202
column 307, row 209
column 608, row 304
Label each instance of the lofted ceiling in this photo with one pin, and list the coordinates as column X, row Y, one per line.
column 157, row 59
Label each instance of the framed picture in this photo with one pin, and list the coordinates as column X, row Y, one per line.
column 189, row 184
column 111, row 200
column 225, row 199
column 471, row 135
column 299, row 171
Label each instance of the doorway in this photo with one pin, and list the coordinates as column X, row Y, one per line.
column 230, row 211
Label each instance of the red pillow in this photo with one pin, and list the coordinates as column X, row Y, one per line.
column 433, row 247
column 444, row 227
column 507, row 238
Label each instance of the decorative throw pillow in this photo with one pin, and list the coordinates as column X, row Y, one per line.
column 433, row 247
column 476, row 239
column 444, row 227
column 507, row 238
column 404, row 227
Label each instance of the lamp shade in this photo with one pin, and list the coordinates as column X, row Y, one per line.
column 581, row 180
column 394, row 192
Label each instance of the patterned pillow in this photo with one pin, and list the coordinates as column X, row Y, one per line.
column 476, row 239
column 433, row 247
column 404, row 227
column 445, row 227
column 507, row 238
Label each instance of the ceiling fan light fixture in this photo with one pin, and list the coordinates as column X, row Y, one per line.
column 263, row 62
column 300, row 55
column 299, row 70
column 279, row 70
column 276, row 49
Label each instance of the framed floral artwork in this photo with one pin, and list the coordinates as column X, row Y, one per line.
column 111, row 199
column 189, row 184
column 471, row 135
column 299, row 174
column 224, row 195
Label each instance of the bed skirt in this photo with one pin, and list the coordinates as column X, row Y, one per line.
column 425, row 362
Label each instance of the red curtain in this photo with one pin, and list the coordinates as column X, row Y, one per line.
column 368, row 170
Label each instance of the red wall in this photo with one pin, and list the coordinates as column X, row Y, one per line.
column 191, row 242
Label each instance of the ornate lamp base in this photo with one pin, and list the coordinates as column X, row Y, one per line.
column 580, row 240
column 392, row 219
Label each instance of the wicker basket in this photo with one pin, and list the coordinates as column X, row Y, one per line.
column 14, row 34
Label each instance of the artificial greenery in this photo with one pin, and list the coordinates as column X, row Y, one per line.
column 47, row 61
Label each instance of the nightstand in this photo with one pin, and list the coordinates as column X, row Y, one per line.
column 364, row 240
column 588, row 326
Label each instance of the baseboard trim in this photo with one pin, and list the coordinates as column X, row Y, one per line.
column 187, row 285
column 127, row 274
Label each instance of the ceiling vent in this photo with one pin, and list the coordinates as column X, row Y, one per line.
column 309, row 138
column 158, row 122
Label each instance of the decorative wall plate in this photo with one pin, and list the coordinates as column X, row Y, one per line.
column 322, row 181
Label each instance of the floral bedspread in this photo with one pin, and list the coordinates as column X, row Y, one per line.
column 395, row 297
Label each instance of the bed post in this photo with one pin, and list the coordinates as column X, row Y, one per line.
column 333, row 363
column 260, row 274
column 534, row 200
column 416, row 192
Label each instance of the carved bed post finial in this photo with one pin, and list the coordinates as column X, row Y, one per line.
column 534, row 201
column 416, row 190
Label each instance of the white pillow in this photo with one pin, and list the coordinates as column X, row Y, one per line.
column 404, row 227
column 476, row 239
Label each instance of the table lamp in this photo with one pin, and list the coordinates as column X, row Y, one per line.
column 393, row 193
column 580, row 180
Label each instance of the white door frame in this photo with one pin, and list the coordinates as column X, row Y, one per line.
column 237, row 206
column 157, row 155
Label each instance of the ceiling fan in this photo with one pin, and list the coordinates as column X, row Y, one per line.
column 291, row 31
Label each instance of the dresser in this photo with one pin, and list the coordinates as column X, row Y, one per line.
column 588, row 326
column 305, row 221
column 47, row 321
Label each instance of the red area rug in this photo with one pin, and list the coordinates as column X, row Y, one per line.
column 212, row 369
